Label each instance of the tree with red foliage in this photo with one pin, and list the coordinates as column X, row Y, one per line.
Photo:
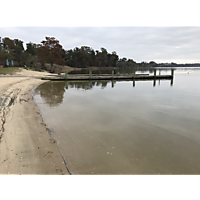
column 51, row 52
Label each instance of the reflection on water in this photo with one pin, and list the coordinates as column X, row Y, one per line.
column 87, row 85
column 53, row 92
column 105, row 127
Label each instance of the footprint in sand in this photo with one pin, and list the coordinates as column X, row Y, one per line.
column 48, row 155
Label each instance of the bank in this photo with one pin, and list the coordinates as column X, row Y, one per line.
column 26, row 146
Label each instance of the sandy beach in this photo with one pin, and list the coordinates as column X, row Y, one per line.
column 26, row 146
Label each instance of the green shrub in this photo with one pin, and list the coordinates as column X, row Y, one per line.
column 45, row 68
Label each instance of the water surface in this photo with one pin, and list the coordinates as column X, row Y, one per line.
column 116, row 127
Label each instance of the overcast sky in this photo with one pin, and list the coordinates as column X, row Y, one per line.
column 159, row 44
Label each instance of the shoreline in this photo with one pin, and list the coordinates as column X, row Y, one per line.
column 26, row 146
column 48, row 130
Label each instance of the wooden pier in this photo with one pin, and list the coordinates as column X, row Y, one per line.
column 112, row 76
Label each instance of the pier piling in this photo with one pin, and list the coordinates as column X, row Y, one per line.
column 154, row 73
column 90, row 74
column 66, row 75
column 172, row 72
column 134, row 74
column 66, row 85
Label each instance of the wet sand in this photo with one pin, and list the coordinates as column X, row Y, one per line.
column 26, row 146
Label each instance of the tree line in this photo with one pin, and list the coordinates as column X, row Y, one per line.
column 51, row 51
column 86, row 57
column 35, row 55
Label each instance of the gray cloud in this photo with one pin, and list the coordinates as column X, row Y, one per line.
column 160, row 44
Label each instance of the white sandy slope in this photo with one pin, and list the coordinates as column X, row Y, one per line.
column 26, row 147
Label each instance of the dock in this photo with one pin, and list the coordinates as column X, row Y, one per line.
column 90, row 76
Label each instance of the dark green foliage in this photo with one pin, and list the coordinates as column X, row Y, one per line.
column 44, row 68
column 50, row 51
column 4, row 52
column 35, row 69
column 86, row 57
column 31, row 48
column 19, row 43
column 36, row 56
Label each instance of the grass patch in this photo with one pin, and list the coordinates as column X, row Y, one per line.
column 9, row 70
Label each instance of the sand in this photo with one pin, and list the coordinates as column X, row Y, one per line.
column 26, row 146
column 25, row 72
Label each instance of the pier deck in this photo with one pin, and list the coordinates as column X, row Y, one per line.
column 106, row 77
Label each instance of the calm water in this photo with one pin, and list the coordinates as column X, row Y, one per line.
column 118, row 128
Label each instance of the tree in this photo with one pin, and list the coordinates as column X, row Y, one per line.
column 152, row 63
column 124, row 59
column 1, row 43
column 30, row 61
column 51, row 52
column 92, row 57
column 5, row 55
column 5, row 50
column 31, row 48
column 19, row 43
column 15, row 49
column 104, row 58
column 172, row 63
column 103, row 50
column 86, row 56
column 8, row 43
column 114, row 59
column 19, row 54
